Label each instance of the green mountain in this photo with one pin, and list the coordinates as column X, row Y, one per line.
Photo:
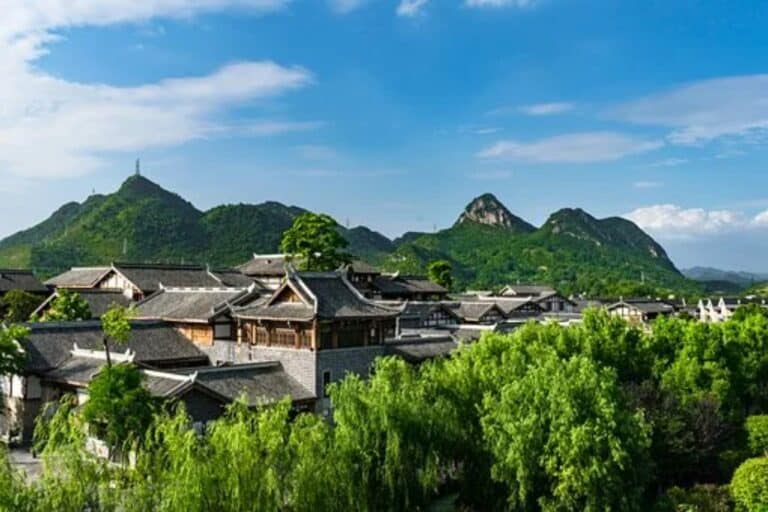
column 738, row 280
column 573, row 251
column 488, row 246
column 144, row 222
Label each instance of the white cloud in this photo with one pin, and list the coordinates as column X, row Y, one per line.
column 499, row 3
column 672, row 221
column 53, row 127
column 546, row 109
column 761, row 219
column 30, row 16
column 410, row 8
column 707, row 110
column 572, row 148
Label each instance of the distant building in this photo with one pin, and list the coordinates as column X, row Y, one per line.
column 267, row 269
column 425, row 314
column 23, row 280
column 402, row 288
column 99, row 300
column 720, row 310
column 140, row 280
column 641, row 311
column 547, row 297
column 485, row 312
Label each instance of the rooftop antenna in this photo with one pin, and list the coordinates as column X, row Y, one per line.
column 138, row 167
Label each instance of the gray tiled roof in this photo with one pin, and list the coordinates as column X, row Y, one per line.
column 99, row 300
column 361, row 267
column 327, row 295
column 163, row 385
column 511, row 304
column 264, row 265
column 78, row 277
column 149, row 277
column 23, row 280
column 186, row 304
column 423, row 349
column 154, row 343
column 76, row 370
column 260, row 383
column 422, row 309
column 474, row 311
column 406, row 285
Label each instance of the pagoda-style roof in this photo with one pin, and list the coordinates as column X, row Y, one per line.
column 307, row 296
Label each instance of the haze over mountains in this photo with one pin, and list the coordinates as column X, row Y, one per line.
column 487, row 246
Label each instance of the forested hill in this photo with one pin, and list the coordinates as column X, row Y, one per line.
column 141, row 221
column 488, row 246
column 572, row 250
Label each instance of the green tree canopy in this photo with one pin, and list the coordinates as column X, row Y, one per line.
column 749, row 486
column 315, row 243
column 68, row 306
column 441, row 272
column 11, row 354
column 116, row 326
column 118, row 406
column 563, row 439
column 18, row 305
column 757, row 430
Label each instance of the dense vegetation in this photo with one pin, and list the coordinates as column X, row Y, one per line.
column 487, row 257
column 601, row 416
column 487, row 248
column 143, row 222
column 18, row 305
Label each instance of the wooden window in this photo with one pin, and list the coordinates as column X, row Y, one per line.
column 305, row 338
column 261, row 336
column 284, row 337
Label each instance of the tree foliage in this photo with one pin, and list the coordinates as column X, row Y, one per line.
column 67, row 306
column 12, row 356
column 440, row 272
column 119, row 408
column 116, row 325
column 750, row 486
column 315, row 243
column 600, row 416
column 18, row 305
column 757, row 430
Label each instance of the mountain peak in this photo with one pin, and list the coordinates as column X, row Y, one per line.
column 487, row 209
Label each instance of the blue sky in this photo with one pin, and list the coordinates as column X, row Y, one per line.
column 395, row 113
